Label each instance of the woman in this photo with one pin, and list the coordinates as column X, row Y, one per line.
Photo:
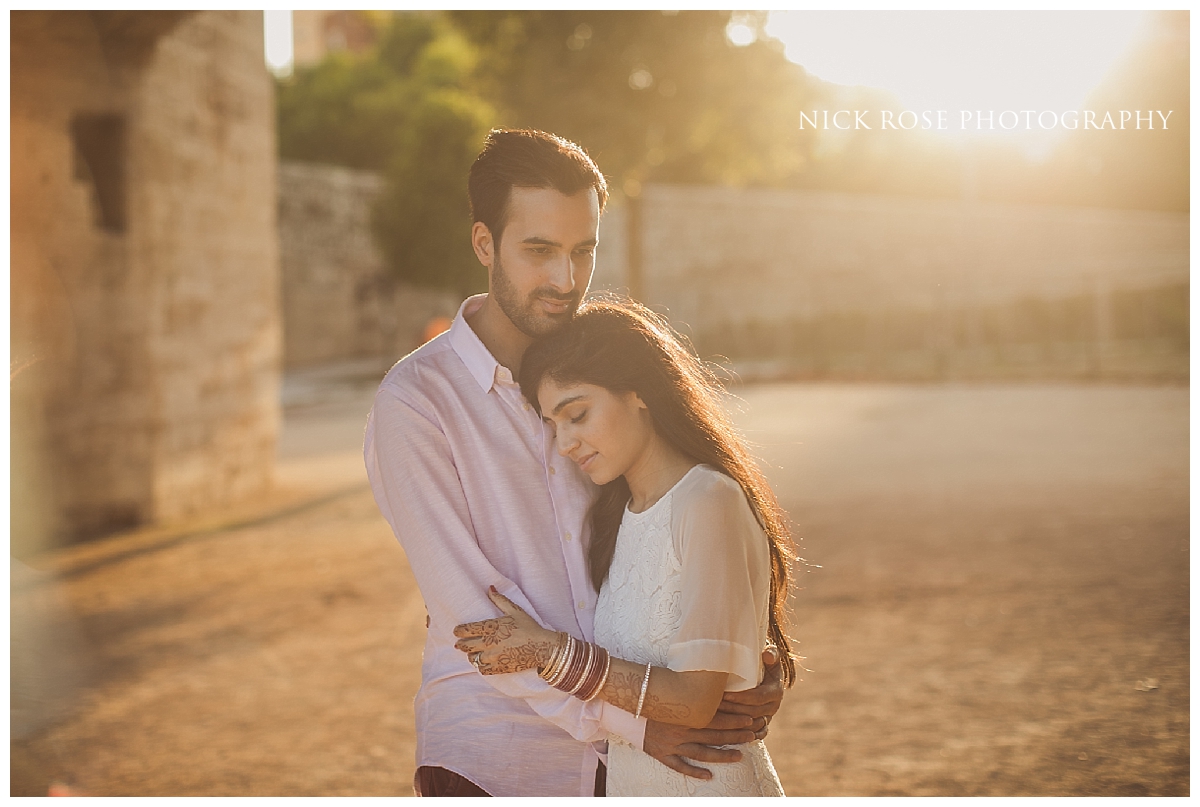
column 689, row 548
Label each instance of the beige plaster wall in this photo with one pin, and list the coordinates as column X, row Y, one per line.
column 155, row 349
column 964, row 288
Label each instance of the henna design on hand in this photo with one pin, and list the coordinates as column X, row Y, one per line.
column 528, row 656
column 495, row 631
column 658, row 709
column 623, row 689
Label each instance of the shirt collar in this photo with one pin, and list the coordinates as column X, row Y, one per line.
column 480, row 362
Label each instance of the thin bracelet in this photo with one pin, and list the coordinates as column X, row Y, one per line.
column 553, row 657
column 586, row 667
column 603, row 678
column 595, row 680
column 564, row 661
column 642, row 697
column 571, row 673
column 564, row 647
column 555, row 653
column 569, row 662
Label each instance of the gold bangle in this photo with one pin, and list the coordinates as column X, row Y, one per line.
column 603, row 677
column 565, row 660
column 586, row 668
column 552, row 670
column 564, row 664
column 555, row 653
column 546, row 672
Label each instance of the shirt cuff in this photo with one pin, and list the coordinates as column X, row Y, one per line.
column 621, row 723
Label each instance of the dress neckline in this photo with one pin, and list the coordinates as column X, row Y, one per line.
column 661, row 498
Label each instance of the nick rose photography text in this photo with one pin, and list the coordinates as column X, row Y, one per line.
column 985, row 120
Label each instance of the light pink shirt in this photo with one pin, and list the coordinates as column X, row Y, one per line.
column 466, row 473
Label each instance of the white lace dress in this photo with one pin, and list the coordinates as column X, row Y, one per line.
column 689, row 589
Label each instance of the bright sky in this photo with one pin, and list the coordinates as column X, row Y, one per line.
column 965, row 60
column 277, row 32
column 930, row 60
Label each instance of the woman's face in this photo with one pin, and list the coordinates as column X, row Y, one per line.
column 604, row 432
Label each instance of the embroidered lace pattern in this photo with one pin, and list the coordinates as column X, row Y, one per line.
column 637, row 616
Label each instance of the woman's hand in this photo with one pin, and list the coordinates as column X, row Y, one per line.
column 507, row 644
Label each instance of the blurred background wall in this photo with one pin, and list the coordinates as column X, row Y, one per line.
column 340, row 302
column 184, row 225
column 800, row 284
column 820, row 284
column 145, row 268
column 795, row 253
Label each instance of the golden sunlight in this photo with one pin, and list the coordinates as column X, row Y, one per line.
column 956, row 61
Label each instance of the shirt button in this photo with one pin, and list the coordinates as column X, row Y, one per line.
column 525, row 407
column 582, row 605
column 568, row 536
column 552, row 471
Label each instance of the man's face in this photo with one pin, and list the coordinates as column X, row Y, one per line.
column 544, row 261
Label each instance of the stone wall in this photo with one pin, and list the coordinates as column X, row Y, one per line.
column 145, row 282
column 856, row 285
column 339, row 301
column 801, row 284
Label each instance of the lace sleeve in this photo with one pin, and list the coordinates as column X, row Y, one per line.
column 725, row 580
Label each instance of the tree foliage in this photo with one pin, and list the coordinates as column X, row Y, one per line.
column 422, row 221
column 407, row 110
column 666, row 97
column 653, row 96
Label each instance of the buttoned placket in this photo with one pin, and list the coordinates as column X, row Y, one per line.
column 569, row 541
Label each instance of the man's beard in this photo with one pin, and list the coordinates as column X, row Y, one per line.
column 524, row 313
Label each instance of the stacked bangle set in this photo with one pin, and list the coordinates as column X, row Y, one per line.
column 577, row 667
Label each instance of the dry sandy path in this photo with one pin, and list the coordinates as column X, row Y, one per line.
column 999, row 568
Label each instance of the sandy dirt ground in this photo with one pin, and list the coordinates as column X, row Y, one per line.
column 997, row 603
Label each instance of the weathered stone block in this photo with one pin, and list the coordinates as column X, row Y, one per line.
column 339, row 300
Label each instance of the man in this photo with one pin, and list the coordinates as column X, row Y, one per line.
column 466, row 474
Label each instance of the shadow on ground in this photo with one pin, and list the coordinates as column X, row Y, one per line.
column 998, row 604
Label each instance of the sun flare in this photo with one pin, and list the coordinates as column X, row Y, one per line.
column 931, row 60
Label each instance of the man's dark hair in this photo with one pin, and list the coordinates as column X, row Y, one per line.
column 527, row 158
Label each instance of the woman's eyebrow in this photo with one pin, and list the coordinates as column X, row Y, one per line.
column 566, row 401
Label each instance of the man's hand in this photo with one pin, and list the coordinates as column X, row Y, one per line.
column 763, row 701
column 669, row 744
column 741, row 718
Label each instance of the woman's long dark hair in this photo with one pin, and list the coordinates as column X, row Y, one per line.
column 622, row 346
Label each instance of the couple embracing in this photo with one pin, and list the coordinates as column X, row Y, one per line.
column 604, row 566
